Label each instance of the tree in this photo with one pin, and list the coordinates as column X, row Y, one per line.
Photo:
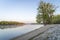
column 39, row 18
column 45, row 13
column 56, row 19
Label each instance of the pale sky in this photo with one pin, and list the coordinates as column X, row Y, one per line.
column 22, row 10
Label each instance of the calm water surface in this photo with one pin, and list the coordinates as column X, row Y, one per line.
column 8, row 33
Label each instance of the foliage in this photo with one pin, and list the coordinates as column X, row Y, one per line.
column 39, row 18
column 10, row 23
column 56, row 19
column 45, row 13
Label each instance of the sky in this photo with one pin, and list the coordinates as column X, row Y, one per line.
column 22, row 10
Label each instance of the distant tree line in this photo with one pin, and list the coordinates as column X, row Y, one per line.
column 10, row 23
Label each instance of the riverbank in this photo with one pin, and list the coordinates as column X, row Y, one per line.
column 11, row 23
column 31, row 35
column 50, row 34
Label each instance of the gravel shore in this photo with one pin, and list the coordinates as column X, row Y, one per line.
column 50, row 34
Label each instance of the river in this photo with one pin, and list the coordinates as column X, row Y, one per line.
column 8, row 33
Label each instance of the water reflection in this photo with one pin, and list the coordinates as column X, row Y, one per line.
column 8, row 33
column 8, row 26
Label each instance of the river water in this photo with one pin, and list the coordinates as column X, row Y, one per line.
column 8, row 33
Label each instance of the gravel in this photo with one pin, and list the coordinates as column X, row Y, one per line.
column 51, row 34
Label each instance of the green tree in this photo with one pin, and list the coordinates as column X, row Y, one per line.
column 39, row 18
column 56, row 19
column 45, row 13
